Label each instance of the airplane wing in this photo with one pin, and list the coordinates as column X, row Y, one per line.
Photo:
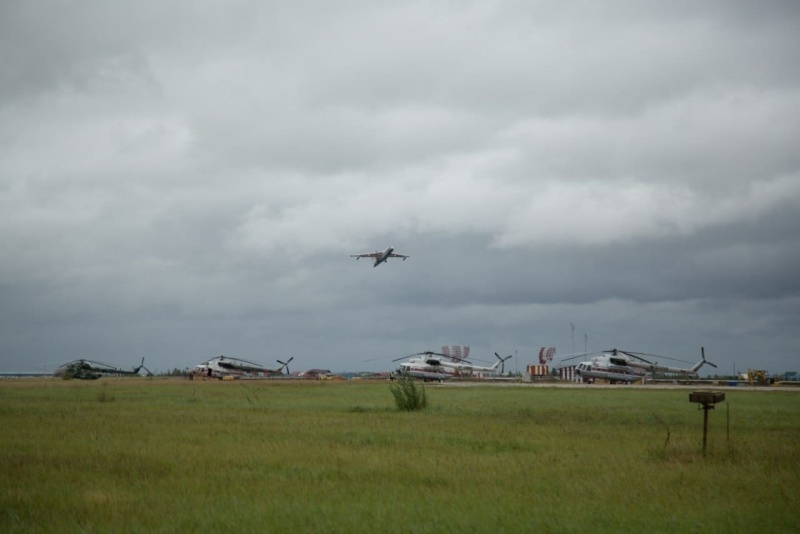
column 376, row 254
column 393, row 255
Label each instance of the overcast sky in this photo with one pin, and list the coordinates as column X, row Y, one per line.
column 180, row 180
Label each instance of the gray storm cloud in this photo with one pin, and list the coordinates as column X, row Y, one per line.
column 185, row 180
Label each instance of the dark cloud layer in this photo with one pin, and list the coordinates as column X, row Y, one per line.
column 180, row 183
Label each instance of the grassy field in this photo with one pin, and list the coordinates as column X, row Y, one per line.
column 142, row 455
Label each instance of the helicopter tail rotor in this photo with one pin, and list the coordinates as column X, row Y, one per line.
column 285, row 365
column 502, row 362
column 703, row 355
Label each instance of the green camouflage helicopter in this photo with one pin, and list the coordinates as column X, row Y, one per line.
column 92, row 370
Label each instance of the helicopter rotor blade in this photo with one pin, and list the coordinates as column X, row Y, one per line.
column 427, row 353
column 580, row 355
column 634, row 355
column 640, row 354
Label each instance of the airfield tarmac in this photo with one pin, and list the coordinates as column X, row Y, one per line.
column 579, row 385
column 556, row 384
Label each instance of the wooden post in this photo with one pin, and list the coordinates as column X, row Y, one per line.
column 707, row 399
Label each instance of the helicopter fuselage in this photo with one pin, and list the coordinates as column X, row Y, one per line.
column 607, row 369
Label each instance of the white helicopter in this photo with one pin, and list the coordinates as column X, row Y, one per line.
column 222, row 366
column 431, row 366
column 624, row 366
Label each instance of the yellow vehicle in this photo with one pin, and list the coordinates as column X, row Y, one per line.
column 757, row 377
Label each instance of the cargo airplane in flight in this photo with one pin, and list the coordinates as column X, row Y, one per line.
column 379, row 256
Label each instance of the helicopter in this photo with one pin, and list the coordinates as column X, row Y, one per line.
column 429, row 365
column 223, row 366
column 92, row 370
column 617, row 365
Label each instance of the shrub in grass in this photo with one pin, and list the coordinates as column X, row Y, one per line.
column 407, row 396
column 104, row 395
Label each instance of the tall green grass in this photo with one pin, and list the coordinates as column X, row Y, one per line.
column 166, row 455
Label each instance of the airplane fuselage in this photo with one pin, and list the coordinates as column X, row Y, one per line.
column 383, row 257
column 379, row 256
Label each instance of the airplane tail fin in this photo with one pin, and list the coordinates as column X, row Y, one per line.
column 702, row 362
